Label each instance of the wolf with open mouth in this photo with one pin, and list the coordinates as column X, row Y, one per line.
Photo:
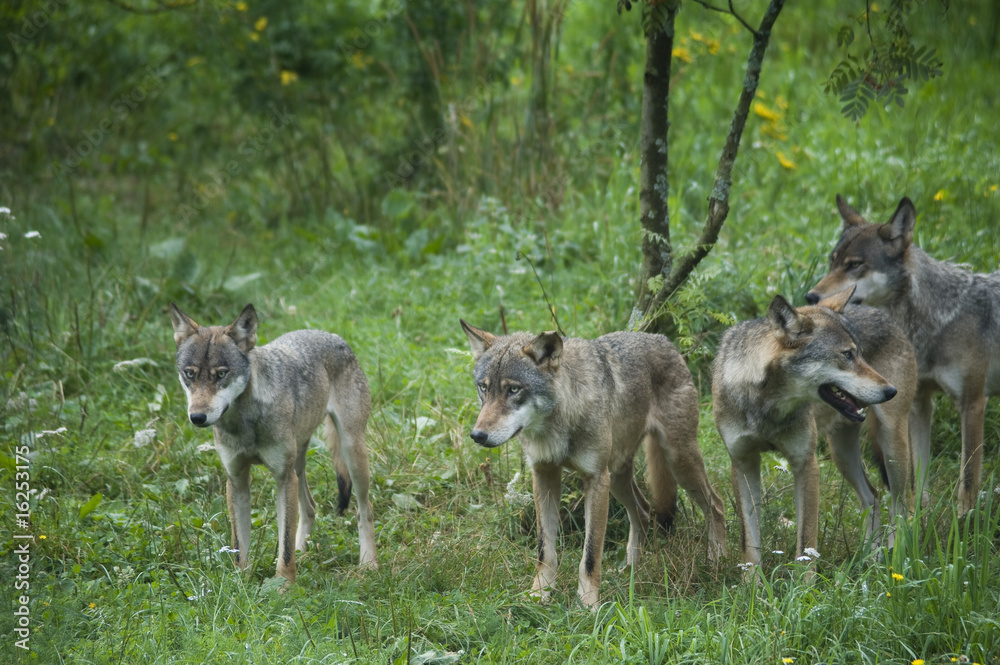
column 775, row 379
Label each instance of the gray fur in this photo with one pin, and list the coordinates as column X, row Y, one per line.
column 769, row 381
column 264, row 403
column 950, row 315
column 587, row 405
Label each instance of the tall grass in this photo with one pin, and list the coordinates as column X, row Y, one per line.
column 126, row 563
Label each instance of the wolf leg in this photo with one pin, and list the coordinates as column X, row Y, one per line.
column 307, row 505
column 595, row 492
column 626, row 490
column 546, row 488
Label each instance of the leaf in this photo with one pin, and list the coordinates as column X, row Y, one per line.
column 406, row 502
column 91, row 504
column 168, row 249
column 237, row 282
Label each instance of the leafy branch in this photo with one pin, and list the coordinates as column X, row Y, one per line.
column 880, row 68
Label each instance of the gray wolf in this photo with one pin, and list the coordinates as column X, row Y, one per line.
column 950, row 315
column 264, row 403
column 586, row 405
column 773, row 376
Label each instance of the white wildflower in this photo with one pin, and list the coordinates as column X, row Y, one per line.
column 513, row 497
column 803, row 559
column 811, row 552
column 135, row 362
column 32, row 234
column 744, row 567
column 144, row 437
column 777, row 551
column 205, row 447
column 46, row 432
column 227, row 549
column 4, row 210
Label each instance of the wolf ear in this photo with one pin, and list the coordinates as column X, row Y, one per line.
column 790, row 327
column 546, row 347
column 244, row 329
column 900, row 227
column 850, row 216
column 479, row 340
column 184, row 325
column 838, row 301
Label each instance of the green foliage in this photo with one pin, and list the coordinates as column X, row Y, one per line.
column 89, row 261
column 881, row 69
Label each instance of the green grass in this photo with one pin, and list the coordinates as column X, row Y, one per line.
column 136, row 575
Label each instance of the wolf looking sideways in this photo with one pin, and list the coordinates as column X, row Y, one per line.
column 586, row 405
column 775, row 377
column 951, row 316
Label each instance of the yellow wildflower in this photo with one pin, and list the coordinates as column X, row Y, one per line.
column 918, row 661
column 241, row 6
column 93, row 605
column 897, row 577
column 713, row 46
column 254, row 36
column 787, row 661
column 785, row 161
column 764, row 112
column 172, row 136
column 941, row 195
column 682, row 54
column 358, row 60
column 195, row 61
column 888, row 594
column 994, row 188
column 260, row 24
column 288, row 77
column 42, row 537
column 465, row 121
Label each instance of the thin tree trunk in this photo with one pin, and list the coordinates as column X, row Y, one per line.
column 654, row 215
column 675, row 272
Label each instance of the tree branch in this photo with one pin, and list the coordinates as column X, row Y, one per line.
column 162, row 6
column 718, row 201
column 731, row 10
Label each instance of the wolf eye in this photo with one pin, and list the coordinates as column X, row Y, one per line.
column 513, row 390
column 189, row 374
column 481, row 387
column 853, row 264
column 849, row 355
column 221, row 374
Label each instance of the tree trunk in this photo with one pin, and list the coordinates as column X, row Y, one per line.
column 654, row 215
column 673, row 273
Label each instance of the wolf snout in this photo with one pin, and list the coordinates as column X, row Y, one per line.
column 888, row 393
column 479, row 436
column 812, row 298
column 198, row 419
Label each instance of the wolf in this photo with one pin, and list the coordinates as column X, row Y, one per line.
column 264, row 403
column 771, row 379
column 950, row 315
column 586, row 405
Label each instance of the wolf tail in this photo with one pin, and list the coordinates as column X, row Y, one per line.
column 662, row 484
column 343, row 476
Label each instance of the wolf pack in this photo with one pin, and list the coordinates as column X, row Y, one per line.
column 886, row 328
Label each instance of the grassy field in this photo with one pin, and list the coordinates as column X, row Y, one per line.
column 127, row 505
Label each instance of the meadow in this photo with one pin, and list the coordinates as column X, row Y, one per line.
column 342, row 216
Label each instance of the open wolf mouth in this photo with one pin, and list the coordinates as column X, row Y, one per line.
column 845, row 403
